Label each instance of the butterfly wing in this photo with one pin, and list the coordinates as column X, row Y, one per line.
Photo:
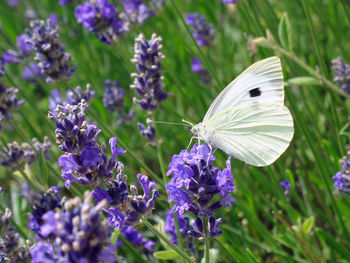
column 261, row 82
column 256, row 133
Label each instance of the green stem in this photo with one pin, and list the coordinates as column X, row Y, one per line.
column 311, row 71
column 314, row 40
column 180, row 252
column 208, row 65
column 206, row 239
column 178, row 233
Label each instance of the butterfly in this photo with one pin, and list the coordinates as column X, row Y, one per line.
column 248, row 119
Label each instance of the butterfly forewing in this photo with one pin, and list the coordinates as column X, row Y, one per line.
column 255, row 132
column 261, row 82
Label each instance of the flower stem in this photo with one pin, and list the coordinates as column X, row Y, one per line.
column 166, row 240
column 178, row 233
column 311, row 71
column 206, row 240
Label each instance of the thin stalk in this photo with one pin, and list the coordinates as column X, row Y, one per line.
column 206, row 239
column 314, row 40
column 312, row 72
column 180, row 252
column 209, row 66
column 178, row 233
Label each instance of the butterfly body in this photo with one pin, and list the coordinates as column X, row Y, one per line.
column 248, row 119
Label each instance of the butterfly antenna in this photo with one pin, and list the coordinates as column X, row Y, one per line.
column 188, row 122
column 171, row 123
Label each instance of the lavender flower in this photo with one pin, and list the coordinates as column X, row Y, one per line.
column 136, row 11
column 286, row 185
column 8, row 101
column 229, row 1
column 73, row 97
column 196, row 179
column 113, row 100
column 342, row 178
column 22, row 51
column 148, row 83
column 84, row 161
column 148, row 132
column 49, row 53
column 67, row 2
column 125, row 209
column 137, row 239
column 169, row 227
column 79, row 233
column 342, row 74
column 102, row 19
column 41, row 203
column 15, row 155
column 32, row 73
column 202, row 31
column 198, row 68
column 10, row 248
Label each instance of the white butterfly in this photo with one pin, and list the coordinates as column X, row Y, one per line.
column 248, row 120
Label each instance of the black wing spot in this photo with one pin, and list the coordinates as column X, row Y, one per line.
column 255, row 92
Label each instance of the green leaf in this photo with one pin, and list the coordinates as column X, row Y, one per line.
column 44, row 175
column 213, row 256
column 166, row 255
column 308, row 225
column 115, row 235
column 304, row 80
column 285, row 32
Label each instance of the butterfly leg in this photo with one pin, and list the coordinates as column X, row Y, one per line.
column 190, row 143
column 211, row 153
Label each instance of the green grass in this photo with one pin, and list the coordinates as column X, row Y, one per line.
column 264, row 226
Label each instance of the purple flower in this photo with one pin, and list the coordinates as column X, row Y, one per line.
column 198, row 69
column 41, row 203
column 126, row 208
column 148, row 132
column 286, row 185
column 32, row 73
column 169, row 227
column 229, row 1
column 202, row 31
column 43, row 252
column 113, row 100
column 342, row 73
column 137, row 239
column 11, row 56
column 85, row 162
column 23, row 46
column 136, row 11
column 51, row 57
column 342, row 178
column 194, row 178
column 79, row 233
column 10, row 247
column 67, row 2
column 179, row 196
column 8, row 102
column 148, row 83
column 15, row 155
column 113, row 97
column 73, row 96
column 102, row 19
